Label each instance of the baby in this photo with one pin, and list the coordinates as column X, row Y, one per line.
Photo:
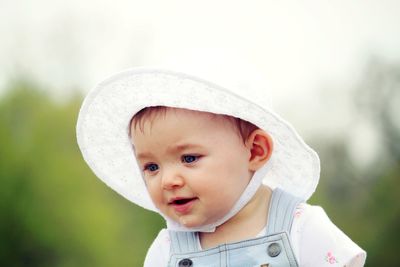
column 229, row 177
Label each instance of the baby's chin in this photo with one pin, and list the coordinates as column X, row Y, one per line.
column 193, row 221
column 189, row 221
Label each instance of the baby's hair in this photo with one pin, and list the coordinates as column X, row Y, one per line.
column 243, row 127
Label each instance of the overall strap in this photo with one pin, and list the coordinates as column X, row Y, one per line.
column 280, row 218
column 183, row 242
column 281, row 211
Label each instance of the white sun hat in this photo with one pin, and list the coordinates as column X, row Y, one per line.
column 105, row 115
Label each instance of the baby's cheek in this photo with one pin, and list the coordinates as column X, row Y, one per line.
column 154, row 193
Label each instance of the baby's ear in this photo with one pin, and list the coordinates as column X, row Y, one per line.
column 260, row 145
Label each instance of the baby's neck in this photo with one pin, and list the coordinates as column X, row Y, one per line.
column 246, row 224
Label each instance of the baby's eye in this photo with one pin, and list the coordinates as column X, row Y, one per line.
column 189, row 158
column 152, row 167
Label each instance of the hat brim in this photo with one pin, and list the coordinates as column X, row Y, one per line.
column 103, row 129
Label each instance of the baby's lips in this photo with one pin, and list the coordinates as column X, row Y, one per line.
column 182, row 206
column 180, row 200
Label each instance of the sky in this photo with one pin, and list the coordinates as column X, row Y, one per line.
column 290, row 50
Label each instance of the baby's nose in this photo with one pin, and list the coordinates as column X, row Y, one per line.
column 171, row 179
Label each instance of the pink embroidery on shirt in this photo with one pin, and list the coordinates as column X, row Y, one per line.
column 330, row 258
column 298, row 213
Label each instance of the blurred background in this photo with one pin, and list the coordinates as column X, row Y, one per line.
column 332, row 68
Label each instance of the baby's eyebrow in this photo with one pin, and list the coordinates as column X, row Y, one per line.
column 181, row 147
column 170, row 149
column 143, row 155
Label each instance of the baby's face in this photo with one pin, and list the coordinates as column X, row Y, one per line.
column 195, row 166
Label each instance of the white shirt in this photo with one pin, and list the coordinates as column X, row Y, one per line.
column 316, row 241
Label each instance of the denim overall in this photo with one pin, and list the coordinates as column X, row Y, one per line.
column 272, row 250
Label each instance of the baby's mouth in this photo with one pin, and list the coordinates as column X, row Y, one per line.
column 182, row 205
column 181, row 201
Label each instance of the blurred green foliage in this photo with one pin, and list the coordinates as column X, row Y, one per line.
column 54, row 212
column 364, row 201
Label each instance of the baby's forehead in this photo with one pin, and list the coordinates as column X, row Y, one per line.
column 150, row 114
column 179, row 126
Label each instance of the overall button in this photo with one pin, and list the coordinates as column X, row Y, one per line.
column 186, row 263
column 274, row 249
